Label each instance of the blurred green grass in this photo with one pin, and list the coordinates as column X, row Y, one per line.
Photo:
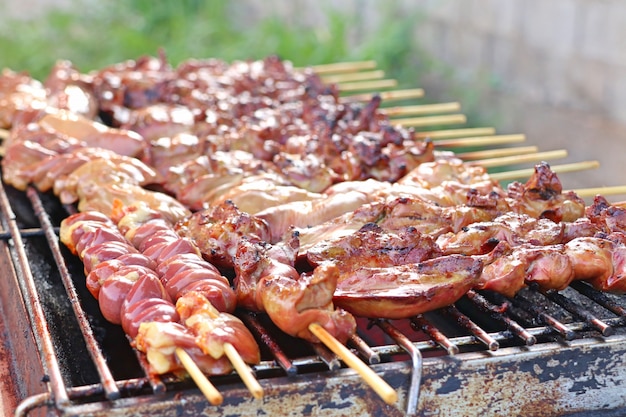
column 111, row 32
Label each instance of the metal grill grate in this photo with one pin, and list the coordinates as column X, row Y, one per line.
column 90, row 369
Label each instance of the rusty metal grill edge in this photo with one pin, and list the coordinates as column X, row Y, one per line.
column 576, row 367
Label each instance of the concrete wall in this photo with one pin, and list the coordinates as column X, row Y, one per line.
column 555, row 70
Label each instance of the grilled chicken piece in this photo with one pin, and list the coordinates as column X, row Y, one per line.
column 94, row 134
column 18, row 92
column 266, row 280
column 542, row 197
column 159, row 340
column 403, row 291
column 611, row 217
column 511, row 269
column 213, row 329
column 515, row 229
column 429, row 218
column 70, row 90
column 372, row 246
column 282, row 218
column 102, row 197
column 601, row 262
column 217, row 231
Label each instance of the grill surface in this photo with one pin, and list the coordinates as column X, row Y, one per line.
column 535, row 355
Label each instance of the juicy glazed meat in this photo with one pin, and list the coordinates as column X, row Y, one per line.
column 509, row 269
column 515, row 229
column 214, row 329
column 266, row 280
column 403, row 291
column 601, row 262
column 541, row 197
column 372, row 246
column 159, row 340
column 217, row 230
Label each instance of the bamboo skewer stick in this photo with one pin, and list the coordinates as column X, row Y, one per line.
column 244, row 371
column 242, row 368
column 525, row 173
column 431, row 120
column 339, row 67
column 4, row 134
column 366, row 85
column 354, row 76
column 496, row 153
column 520, row 159
column 456, row 133
column 385, row 95
column 203, row 383
column 609, row 190
column 384, row 390
column 480, row 141
column 420, row 109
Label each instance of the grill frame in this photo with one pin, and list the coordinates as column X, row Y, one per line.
column 482, row 381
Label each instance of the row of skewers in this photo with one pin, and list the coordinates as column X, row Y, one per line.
column 185, row 185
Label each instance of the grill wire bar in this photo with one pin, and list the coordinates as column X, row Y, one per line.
column 602, row 327
column 416, row 360
column 108, row 382
column 376, row 353
column 33, row 306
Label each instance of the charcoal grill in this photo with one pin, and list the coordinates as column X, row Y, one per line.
column 538, row 354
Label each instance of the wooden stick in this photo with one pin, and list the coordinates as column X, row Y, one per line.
column 384, row 390
column 339, row 67
column 4, row 134
column 520, row 159
column 480, row 141
column 354, row 76
column 496, row 153
column 244, row 371
column 592, row 192
column 366, row 85
column 203, row 383
column 420, row 109
column 526, row 173
column 456, row 133
column 242, row 368
column 431, row 120
column 385, row 95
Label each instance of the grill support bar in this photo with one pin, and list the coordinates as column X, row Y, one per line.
column 108, row 382
column 34, row 307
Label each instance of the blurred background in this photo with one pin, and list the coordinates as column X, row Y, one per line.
column 553, row 70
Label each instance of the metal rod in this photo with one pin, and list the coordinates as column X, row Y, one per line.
column 33, row 306
column 599, row 298
column 472, row 327
column 364, row 349
column 106, row 377
column 328, row 357
column 579, row 311
column 416, row 361
column 562, row 329
column 31, row 232
column 281, row 358
column 156, row 383
column 483, row 304
column 420, row 323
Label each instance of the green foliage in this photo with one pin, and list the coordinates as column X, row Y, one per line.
column 110, row 32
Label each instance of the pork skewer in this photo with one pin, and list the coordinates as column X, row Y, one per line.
column 136, row 298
